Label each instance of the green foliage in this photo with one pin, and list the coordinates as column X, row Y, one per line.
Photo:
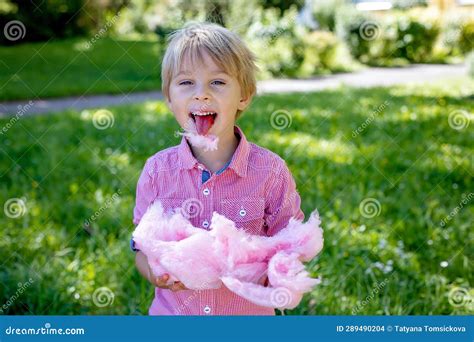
column 397, row 38
column 48, row 19
column 324, row 53
column 325, row 11
column 285, row 49
column 79, row 66
column 45, row 19
column 408, row 157
column 416, row 36
column 281, row 5
column 277, row 42
column 112, row 63
column 163, row 17
column 470, row 64
column 350, row 27
column 406, row 4
column 466, row 37
column 456, row 38
column 449, row 40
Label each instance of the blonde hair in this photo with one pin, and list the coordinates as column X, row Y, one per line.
column 225, row 48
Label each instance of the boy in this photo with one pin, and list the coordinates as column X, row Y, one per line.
column 208, row 77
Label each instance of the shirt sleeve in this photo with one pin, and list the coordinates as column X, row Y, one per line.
column 144, row 196
column 284, row 202
column 145, row 193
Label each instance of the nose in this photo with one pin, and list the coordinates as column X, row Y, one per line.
column 201, row 93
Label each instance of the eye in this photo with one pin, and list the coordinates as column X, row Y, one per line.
column 185, row 82
column 218, row 82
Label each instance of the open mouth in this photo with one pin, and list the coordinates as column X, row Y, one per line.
column 203, row 120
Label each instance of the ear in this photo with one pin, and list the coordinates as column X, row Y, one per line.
column 168, row 102
column 244, row 102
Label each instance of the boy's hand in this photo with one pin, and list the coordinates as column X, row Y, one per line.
column 161, row 283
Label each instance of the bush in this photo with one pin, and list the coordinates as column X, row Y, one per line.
column 466, row 36
column 470, row 64
column 283, row 47
column 404, row 4
column 397, row 38
column 449, row 40
column 324, row 53
column 324, row 12
column 163, row 17
column 457, row 37
column 281, row 5
column 277, row 42
column 416, row 36
column 358, row 30
column 43, row 20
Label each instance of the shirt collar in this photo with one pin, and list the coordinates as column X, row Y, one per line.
column 239, row 161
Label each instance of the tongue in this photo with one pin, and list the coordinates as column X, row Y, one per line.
column 204, row 123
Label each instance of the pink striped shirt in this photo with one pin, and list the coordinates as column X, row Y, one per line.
column 256, row 191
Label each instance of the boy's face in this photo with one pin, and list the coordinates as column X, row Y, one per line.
column 204, row 88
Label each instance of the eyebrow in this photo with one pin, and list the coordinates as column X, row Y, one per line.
column 187, row 72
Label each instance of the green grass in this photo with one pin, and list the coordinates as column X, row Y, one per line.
column 69, row 67
column 408, row 158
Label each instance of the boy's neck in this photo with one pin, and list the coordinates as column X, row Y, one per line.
column 215, row 160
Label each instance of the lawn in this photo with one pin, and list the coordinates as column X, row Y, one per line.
column 78, row 66
column 76, row 184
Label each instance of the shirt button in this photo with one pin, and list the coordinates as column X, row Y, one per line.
column 242, row 212
column 205, row 224
column 207, row 310
column 206, row 192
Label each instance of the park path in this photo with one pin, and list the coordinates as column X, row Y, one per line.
column 369, row 77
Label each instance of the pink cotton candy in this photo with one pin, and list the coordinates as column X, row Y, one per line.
column 289, row 282
column 274, row 297
column 207, row 142
column 203, row 259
